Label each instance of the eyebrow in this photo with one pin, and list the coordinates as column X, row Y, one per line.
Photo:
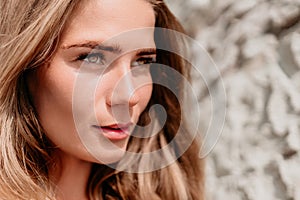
column 146, row 51
column 113, row 48
column 95, row 45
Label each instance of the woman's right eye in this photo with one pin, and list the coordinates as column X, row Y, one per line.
column 92, row 58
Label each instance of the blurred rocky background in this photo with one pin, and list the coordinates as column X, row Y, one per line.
column 256, row 47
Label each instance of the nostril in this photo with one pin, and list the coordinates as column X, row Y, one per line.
column 117, row 98
column 108, row 100
column 133, row 100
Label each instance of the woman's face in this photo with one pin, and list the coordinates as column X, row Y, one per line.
column 93, row 90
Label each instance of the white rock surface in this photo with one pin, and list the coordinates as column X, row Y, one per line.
column 256, row 45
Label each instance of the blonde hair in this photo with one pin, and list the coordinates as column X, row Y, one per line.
column 29, row 33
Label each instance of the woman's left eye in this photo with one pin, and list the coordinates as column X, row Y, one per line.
column 143, row 61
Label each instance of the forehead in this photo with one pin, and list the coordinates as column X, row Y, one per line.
column 99, row 20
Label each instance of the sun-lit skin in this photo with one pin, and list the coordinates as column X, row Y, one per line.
column 52, row 87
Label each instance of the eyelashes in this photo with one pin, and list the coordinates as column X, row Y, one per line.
column 143, row 61
column 99, row 59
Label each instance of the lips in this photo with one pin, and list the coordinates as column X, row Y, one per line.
column 115, row 131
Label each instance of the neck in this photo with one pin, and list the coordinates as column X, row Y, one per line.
column 70, row 175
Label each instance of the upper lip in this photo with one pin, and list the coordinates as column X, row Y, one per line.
column 117, row 126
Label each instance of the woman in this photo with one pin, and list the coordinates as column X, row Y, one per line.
column 47, row 47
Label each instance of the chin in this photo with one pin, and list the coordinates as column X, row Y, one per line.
column 108, row 156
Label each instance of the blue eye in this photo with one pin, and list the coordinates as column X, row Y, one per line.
column 92, row 58
column 143, row 61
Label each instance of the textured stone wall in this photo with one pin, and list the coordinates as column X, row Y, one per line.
column 256, row 46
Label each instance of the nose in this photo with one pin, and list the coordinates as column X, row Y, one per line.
column 122, row 91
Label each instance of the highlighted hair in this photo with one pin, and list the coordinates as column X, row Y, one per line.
column 29, row 34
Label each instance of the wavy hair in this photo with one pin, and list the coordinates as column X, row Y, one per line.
column 29, row 34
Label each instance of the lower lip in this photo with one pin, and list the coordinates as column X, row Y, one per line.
column 114, row 134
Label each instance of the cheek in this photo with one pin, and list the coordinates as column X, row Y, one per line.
column 52, row 97
column 54, row 91
column 143, row 85
column 144, row 93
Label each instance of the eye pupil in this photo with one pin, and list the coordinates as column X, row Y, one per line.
column 93, row 59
